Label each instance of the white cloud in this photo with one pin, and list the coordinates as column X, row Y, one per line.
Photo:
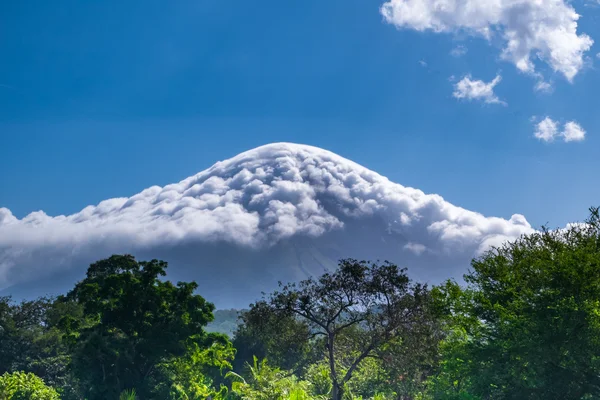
column 543, row 86
column 470, row 89
column 423, row 63
column 259, row 199
column 543, row 28
column 573, row 132
column 416, row 248
column 459, row 51
column 548, row 130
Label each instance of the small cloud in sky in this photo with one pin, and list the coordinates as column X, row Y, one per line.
column 573, row 132
column 416, row 248
column 543, row 86
column 459, row 51
column 423, row 63
column 547, row 130
column 470, row 89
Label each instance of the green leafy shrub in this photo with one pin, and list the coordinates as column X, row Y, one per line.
column 128, row 395
column 269, row 383
column 25, row 386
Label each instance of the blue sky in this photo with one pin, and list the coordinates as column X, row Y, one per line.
column 104, row 99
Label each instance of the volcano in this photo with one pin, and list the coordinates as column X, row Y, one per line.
column 280, row 212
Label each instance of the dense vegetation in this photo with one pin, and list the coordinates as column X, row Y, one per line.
column 526, row 325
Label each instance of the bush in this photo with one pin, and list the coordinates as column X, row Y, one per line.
column 25, row 386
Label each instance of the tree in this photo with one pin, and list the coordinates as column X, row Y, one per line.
column 20, row 326
column 356, row 311
column 133, row 322
column 284, row 339
column 31, row 341
column 25, row 386
column 531, row 316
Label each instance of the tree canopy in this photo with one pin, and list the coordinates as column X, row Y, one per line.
column 133, row 322
column 355, row 312
column 528, row 324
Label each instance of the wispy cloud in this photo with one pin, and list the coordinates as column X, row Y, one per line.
column 459, row 51
column 473, row 89
column 543, row 86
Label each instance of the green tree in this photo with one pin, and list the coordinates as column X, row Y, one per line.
column 31, row 341
column 133, row 324
column 356, row 311
column 531, row 316
column 285, row 340
column 25, row 386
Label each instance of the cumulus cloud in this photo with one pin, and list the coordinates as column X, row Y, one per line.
column 547, row 130
column 470, row 89
column 573, row 132
column 546, row 29
column 254, row 201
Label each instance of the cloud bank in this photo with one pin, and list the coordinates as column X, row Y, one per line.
column 254, row 201
column 546, row 29
column 470, row 89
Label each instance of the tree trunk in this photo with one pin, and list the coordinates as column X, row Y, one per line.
column 337, row 392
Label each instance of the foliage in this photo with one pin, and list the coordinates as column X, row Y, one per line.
column 457, row 373
column 133, row 323
column 355, row 311
column 284, row 339
column 193, row 375
column 269, row 383
column 530, row 318
column 318, row 376
column 128, row 395
column 25, row 386
column 31, row 341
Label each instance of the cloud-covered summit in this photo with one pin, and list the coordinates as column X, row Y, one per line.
column 255, row 202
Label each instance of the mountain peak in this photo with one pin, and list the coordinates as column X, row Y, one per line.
column 258, row 202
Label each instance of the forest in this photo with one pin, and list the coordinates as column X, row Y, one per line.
column 524, row 324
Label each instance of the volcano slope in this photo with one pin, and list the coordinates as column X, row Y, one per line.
column 280, row 212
